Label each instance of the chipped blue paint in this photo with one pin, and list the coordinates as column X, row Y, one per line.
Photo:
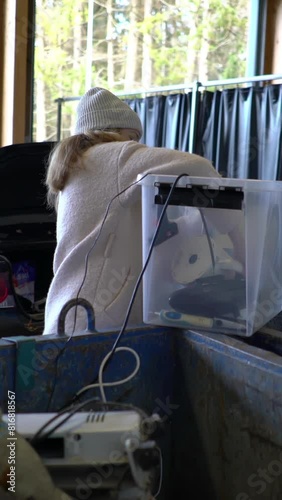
column 78, row 364
column 7, row 370
column 221, row 395
column 229, row 421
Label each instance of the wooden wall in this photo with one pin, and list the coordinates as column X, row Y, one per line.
column 273, row 41
column 16, row 42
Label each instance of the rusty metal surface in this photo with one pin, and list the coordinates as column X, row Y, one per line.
column 42, row 381
column 227, row 433
column 220, row 397
column 7, row 364
column 48, row 371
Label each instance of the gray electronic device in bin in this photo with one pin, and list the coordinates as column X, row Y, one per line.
column 216, row 264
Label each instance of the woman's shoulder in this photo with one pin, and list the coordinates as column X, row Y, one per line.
column 105, row 149
column 136, row 155
column 160, row 154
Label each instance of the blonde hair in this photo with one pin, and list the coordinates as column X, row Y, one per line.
column 66, row 156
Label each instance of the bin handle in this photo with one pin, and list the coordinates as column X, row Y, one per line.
column 74, row 303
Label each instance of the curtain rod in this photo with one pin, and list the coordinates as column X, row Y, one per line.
column 231, row 81
column 211, row 83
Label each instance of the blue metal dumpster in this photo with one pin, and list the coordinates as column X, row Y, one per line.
column 227, row 439
column 45, row 372
column 220, row 399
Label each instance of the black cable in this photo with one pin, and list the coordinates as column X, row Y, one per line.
column 96, row 240
column 140, row 276
column 208, row 238
column 83, row 280
column 145, row 265
column 162, row 215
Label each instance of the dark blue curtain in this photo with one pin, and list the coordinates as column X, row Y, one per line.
column 177, row 121
column 165, row 119
column 239, row 129
column 151, row 112
column 241, row 133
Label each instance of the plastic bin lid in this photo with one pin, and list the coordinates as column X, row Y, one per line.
column 212, row 182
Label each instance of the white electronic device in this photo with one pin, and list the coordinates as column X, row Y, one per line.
column 106, row 451
column 86, row 437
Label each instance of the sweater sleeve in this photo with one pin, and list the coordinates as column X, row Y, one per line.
column 135, row 159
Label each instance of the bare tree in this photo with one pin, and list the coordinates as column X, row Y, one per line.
column 132, row 48
column 138, row 43
column 205, row 45
column 77, row 49
column 146, row 50
column 40, row 132
column 110, row 50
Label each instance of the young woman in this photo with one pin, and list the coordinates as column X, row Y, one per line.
column 87, row 171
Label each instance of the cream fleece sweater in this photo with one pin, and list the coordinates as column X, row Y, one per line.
column 116, row 261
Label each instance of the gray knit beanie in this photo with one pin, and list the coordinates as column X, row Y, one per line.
column 99, row 109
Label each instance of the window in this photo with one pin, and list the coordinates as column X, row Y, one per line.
column 131, row 45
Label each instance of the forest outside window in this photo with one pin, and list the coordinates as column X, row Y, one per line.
column 135, row 44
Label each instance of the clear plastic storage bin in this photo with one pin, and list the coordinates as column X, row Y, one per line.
column 216, row 263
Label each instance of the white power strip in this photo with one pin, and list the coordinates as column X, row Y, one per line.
column 86, row 437
column 96, row 447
